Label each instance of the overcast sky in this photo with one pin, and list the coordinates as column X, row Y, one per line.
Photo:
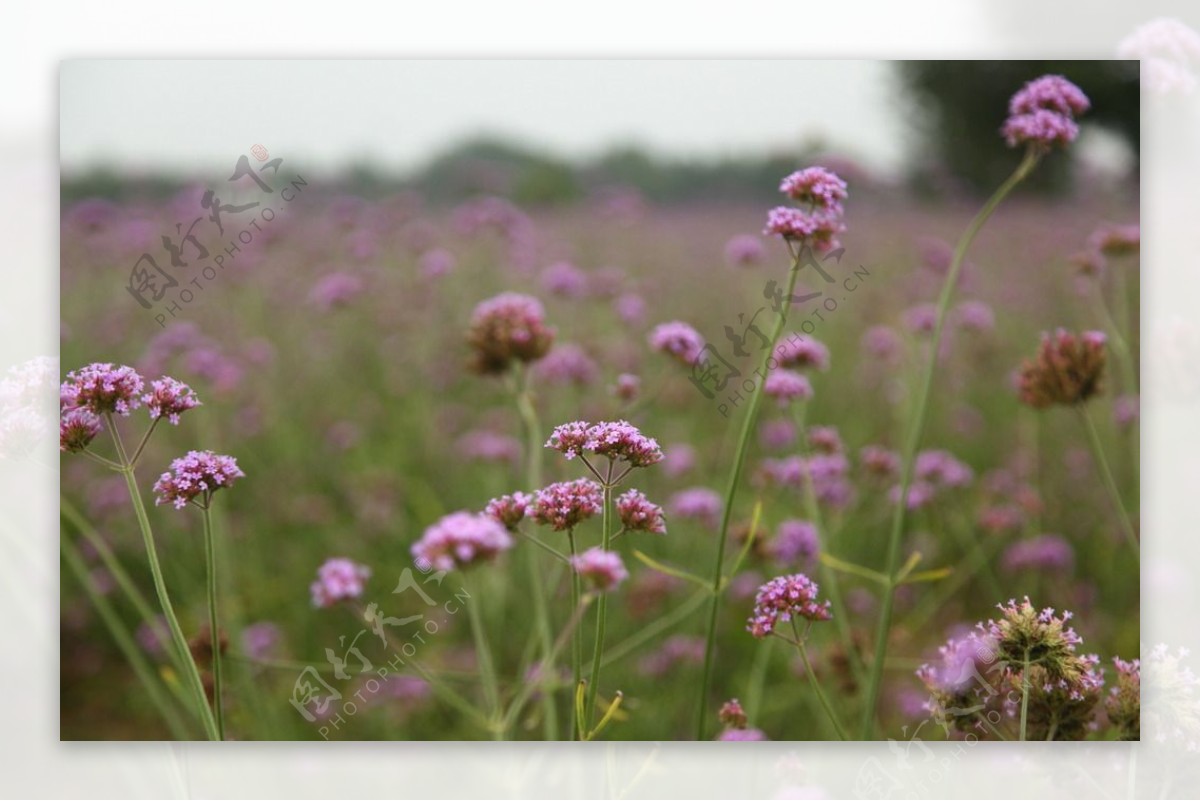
column 196, row 115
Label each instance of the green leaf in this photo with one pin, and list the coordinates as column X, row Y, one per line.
column 928, row 575
column 671, row 571
column 843, row 566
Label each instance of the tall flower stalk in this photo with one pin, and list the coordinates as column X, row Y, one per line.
column 90, row 399
column 1041, row 115
column 813, row 227
column 191, row 481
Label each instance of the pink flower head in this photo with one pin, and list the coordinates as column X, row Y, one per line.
column 1048, row 552
column 744, row 250
column 508, row 510
column 565, row 280
column 942, row 469
column 783, row 598
column 335, row 290
column 505, row 328
column 630, row 307
column 338, row 579
column 974, row 315
column 742, row 735
column 732, row 714
column 169, row 398
column 802, row 353
column 568, row 364
column 1043, row 128
column 786, row 386
column 825, row 439
column 697, row 503
column 488, row 446
column 459, row 540
column 921, row 319
column 618, row 440
column 198, row 474
column 1043, row 113
column 795, row 541
column 638, row 514
column 102, row 387
column 1052, row 93
column 76, row 430
column 1116, row 240
column 879, row 461
column 818, row 230
column 602, row 570
column 564, row 505
column 817, row 187
column 679, row 340
column 436, row 263
column 627, row 386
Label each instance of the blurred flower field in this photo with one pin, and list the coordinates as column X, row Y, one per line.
column 414, row 542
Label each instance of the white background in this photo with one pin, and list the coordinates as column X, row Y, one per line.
column 35, row 38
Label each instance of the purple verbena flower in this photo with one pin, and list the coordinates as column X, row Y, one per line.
column 678, row 339
column 744, row 250
column 102, row 387
column 638, row 514
column 338, row 579
column 782, row 599
column 1049, row 552
column 76, row 430
column 802, row 353
column 459, row 540
column 198, row 474
column 786, row 386
column 169, row 398
column 697, row 503
column 795, row 542
column 817, row 187
column 602, row 570
column 508, row 510
column 564, row 505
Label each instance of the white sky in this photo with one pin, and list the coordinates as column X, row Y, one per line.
column 192, row 115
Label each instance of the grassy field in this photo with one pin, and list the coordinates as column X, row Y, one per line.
column 349, row 405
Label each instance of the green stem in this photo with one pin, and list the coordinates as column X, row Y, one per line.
column 1110, row 482
column 487, row 669
column 537, row 585
column 528, row 687
column 191, row 672
column 1024, row 694
column 601, row 613
column 735, row 475
column 829, row 577
column 125, row 643
column 913, row 440
column 816, row 685
column 213, row 629
column 576, row 644
column 137, row 453
column 758, row 678
column 1120, row 345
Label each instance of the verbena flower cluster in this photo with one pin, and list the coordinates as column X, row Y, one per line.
column 783, row 599
column 102, row 388
column 638, row 514
column 619, row 441
column 1068, row 370
column 169, row 398
column 1042, row 113
column 818, row 221
column 338, row 579
column 197, row 475
column 459, row 540
column 600, row 569
column 678, row 340
column 565, row 505
column 508, row 328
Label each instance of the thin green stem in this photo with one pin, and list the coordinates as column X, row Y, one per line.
column 125, row 643
column 529, row 687
column 487, row 668
column 1025, row 695
column 191, row 672
column 1109, row 482
column 816, row 685
column 735, row 476
column 913, row 440
column 213, row 628
column 758, row 678
column 137, row 453
column 95, row 457
column 1119, row 343
column 601, row 609
column 576, row 643
column 829, row 577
